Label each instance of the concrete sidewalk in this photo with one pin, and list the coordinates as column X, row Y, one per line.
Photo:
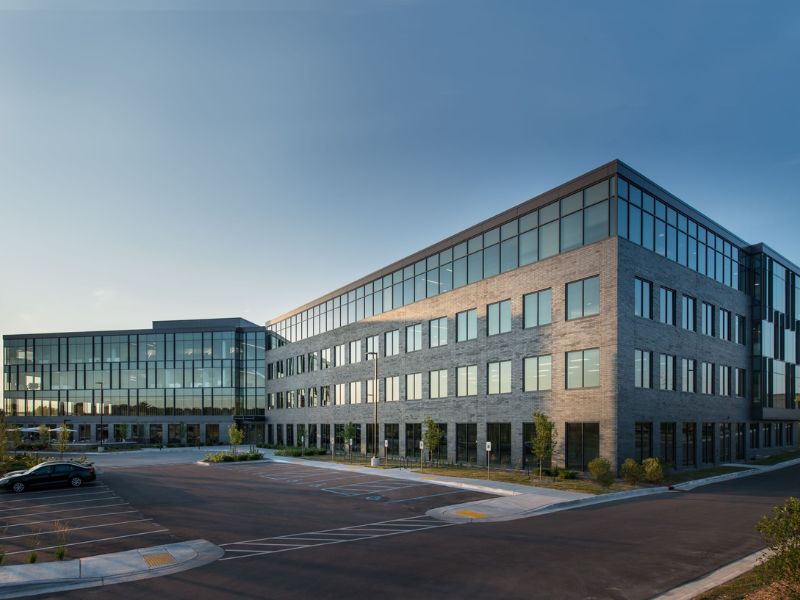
column 57, row 576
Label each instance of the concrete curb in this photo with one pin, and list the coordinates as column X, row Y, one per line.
column 233, row 463
column 17, row 581
column 751, row 470
column 723, row 575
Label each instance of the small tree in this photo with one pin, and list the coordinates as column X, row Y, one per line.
column 235, row 437
column 431, row 436
column 123, row 431
column 349, row 432
column 781, row 533
column 44, row 435
column 631, row 471
column 62, row 440
column 544, row 439
column 652, row 470
column 600, row 469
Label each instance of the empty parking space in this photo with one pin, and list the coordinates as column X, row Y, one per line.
column 86, row 521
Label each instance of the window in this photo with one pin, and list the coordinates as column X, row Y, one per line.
column 688, row 313
column 583, row 298
column 740, row 333
column 643, row 298
column 392, row 388
column 414, row 337
column 372, row 346
column 437, row 332
column 326, row 360
column 467, row 381
column 724, row 384
column 324, row 395
column 537, row 308
column 438, row 384
column 355, row 352
column 499, row 377
column 707, row 441
column 724, row 324
column 467, row 325
column 767, row 431
column 666, row 306
column 706, row 378
column 688, row 376
column 498, row 317
column 740, row 382
column 643, row 441
column 355, row 392
column 339, row 395
column 414, row 386
column 583, row 368
column 391, row 343
column 666, row 372
column 689, row 444
column 642, row 369
column 582, row 444
column 707, row 319
column 341, row 356
column 538, row 373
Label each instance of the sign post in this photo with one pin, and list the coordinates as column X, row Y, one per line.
column 302, row 444
column 333, row 445
column 421, row 448
column 386, row 450
column 350, row 449
column 488, row 455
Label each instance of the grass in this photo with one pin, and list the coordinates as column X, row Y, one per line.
column 777, row 458
column 684, row 476
column 751, row 585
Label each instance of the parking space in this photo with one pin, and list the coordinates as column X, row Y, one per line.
column 85, row 521
column 373, row 488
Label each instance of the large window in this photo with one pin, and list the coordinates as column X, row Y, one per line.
column 467, row 381
column 341, row 355
column 688, row 375
column 740, row 382
column 355, row 392
column 391, row 387
column 689, row 313
column 724, row 384
column 414, row 337
column 643, row 369
column 355, row 351
column 437, row 332
column 583, row 368
column 438, row 384
column 706, row 378
column 707, row 319
column 339, row 397
column 583, row 298
column 666, row 306
column 666, row 372
column 372, row 346
column 499, row 377
column 537, row 308
column 643, row 438
column 538, row 373
column 724, row 324
column 467, row 325
column 689, row 431
column 740, row 331
column 414, row 386
column 582, row 444
column 391, row 343
column 498, row 317
column 643, row 298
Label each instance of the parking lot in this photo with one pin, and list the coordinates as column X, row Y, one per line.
column 86, row 521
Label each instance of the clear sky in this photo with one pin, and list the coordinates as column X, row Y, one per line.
column 165, row 159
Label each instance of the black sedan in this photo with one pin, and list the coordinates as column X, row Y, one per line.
column 47, row 474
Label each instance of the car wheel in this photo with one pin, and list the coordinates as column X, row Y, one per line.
column 18, row 487
column 76, row 482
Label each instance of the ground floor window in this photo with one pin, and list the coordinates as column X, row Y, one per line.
column 279, row 430
column 778, row 434
column 101, row 433
column 312, row 440
column 528, row 431
column 440, row 453
column 583, row 444
column 707, row 442
column 212, row 433
column 466, row 442
column 667, row 431
column 689, row 445
column 499, row 434
column 767, row 429
column 643, row 438
column 789, row 434
column 740, row 441
column 301, row 435
column 270, row 434
column 391, row 432
column 84, row 433
column 413, row 437
column 754, row 439
column 725, row 442
column 174, row 433
column 338, row 437
column 156, row 435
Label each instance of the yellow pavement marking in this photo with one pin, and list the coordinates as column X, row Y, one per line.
column 428, row 478
column 472, row 513
column 159, row 559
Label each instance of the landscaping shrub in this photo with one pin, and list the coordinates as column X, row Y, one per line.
column 567, row 474
column 781, row 533
column 296, row 452
column 216, row 457
column 652, row 470
column 631, row 471
column 600, row 469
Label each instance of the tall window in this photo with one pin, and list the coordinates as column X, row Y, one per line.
column 583, row 298
column 467, row 325
column 583, row 368
column 355, row 392
column 707, row 319
column 537, row 308
column 688, row 313
column 391, row 386
column 688, row 376
column 437, row 332
column 341, row 355
column 724, row 384
column 498, row 317
column 326, row 358
column 666, row 306
column 740, row 382
column 355, row 351
column 372, row 346
column 339, row 397
column 724, row 324
column 414, row 386
column 391, row 343
column 325, row 395
column 740, row 331
column 538, row 373
column 643, row 440
column 467, row 381
column 414, row 337
column 438, row 384
column 499, row 377
column 643, row 369
column 643, row 298
column 706, row 378
column 666, row 372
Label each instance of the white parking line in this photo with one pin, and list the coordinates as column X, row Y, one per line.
column 49, row 512
column 36, row 533
column 122, row 512
column 5, row 510
column 69, row 494
column 119, row 537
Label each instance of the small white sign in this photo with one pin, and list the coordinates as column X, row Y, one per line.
column 421, row 445
column 385, row 443
column 351, row 441
column 488, row 446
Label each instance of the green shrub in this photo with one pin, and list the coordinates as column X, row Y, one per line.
column 217, row 457
column 32, row 557
column 296, row 452
column 631, row 471
column 600, row 469
column 781, row 533
column 652, row 470
column 567, row 474
column 60, row 553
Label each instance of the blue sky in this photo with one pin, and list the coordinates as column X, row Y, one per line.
column 164, row 160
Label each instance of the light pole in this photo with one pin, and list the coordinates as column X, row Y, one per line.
column 375, row 461
column 102, row 410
